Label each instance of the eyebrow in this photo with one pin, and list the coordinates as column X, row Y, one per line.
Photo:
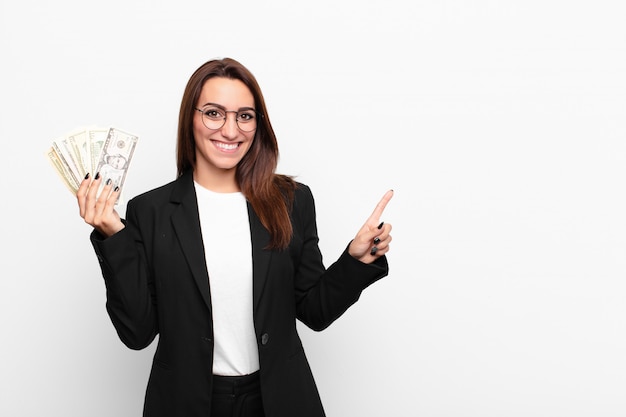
column 224, row 108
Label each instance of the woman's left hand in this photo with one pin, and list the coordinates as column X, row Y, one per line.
column 372, row 240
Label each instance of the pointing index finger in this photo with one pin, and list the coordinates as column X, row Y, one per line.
column 380, row 207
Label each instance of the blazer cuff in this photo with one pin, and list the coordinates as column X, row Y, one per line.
column 105, row 247
column 367, row 274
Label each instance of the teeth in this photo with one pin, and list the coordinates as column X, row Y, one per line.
column 227, row 146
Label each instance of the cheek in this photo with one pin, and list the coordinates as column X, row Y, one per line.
column 198, row 128
column 250, row 141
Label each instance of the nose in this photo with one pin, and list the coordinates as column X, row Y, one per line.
column 230, row 128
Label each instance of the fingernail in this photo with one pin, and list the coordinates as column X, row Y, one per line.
column 376, row 240
column 374, row 250
column 380, row 226
column 97, row 175
column 87, row 176
column 116, row 189
column 108, row 181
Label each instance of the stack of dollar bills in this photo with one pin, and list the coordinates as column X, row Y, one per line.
column 107, row 151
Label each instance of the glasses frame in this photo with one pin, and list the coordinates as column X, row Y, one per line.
column 258, row 115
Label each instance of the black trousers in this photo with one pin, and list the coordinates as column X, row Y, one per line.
column 237, row 396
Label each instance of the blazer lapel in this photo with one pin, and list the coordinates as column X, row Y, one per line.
column 260, row 256
column 186, row 223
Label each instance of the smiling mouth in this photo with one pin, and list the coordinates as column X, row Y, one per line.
column 227, row 146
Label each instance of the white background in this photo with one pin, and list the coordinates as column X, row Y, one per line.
column 499, row 124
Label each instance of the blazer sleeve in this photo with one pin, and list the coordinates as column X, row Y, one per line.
column 323, row 295
column 130, row 292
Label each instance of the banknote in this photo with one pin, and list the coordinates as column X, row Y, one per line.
column 91, row 150
column 65, row 158
column 75, row 144
column 97, row 137
column 115, row 156
column 61, row 168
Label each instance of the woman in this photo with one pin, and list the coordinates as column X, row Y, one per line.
column 221, row 262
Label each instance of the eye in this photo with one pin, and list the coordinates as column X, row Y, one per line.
column 246, row 116
column 213, row 113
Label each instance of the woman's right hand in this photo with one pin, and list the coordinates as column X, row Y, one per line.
column 99, row 212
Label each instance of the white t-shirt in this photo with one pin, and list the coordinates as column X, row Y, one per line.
column 228, row 251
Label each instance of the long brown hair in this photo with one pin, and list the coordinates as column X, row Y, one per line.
column 270, row 194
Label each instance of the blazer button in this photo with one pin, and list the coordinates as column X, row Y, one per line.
column 265, row 338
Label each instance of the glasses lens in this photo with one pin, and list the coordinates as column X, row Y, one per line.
column 246, row 120
column 213, row 117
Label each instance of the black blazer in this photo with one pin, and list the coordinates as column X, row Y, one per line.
column 157, row 284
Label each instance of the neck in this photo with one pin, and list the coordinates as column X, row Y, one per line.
column 218, row 180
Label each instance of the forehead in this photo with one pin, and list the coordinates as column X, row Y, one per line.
column 227, row 92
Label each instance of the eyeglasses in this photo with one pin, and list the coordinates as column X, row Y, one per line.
column 214, row 117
